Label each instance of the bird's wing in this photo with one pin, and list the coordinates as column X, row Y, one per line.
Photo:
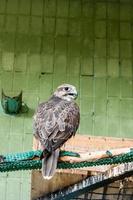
column 56, row 123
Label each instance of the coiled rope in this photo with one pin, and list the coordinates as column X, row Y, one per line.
column 31, row 160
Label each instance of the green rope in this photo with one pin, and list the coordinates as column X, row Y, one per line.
column 26, row 161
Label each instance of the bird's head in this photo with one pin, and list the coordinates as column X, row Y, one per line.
column 67, row 92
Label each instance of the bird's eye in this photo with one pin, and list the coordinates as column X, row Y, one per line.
column 66, row 88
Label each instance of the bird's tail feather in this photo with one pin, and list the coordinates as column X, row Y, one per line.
column 49, row 164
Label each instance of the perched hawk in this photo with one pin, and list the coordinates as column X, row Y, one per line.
column 55, row 121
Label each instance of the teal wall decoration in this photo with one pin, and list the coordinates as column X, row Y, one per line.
column 11, row 105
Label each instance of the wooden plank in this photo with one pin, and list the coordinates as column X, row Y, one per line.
column 85, row 143
column 88, row 145
column 91, row 156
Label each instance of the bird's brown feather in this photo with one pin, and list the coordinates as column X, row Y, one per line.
column 55, row 122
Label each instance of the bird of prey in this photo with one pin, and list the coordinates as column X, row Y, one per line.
column 55, row 121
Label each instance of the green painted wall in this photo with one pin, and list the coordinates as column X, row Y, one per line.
column 44, row 43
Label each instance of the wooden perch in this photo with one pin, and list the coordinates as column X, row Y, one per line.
column 91, row 156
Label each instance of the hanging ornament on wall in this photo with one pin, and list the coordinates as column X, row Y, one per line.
column 13, row 105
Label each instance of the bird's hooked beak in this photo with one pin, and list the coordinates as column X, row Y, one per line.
column 74, row 94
